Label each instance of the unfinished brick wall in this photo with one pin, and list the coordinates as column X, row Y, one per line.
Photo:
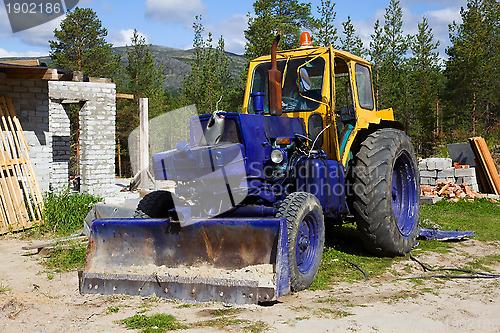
column 32, row 107
column 97, row 131
column 43, row 110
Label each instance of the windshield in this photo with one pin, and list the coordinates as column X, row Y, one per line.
column 291, row 99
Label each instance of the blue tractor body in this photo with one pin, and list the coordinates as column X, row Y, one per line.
column 250, row 139
column 225, row 214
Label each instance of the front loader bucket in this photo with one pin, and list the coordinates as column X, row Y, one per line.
column 231, row 260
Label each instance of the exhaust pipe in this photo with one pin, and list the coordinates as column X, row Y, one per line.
column 274, row 82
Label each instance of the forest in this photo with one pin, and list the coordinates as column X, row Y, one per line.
column 440, row 99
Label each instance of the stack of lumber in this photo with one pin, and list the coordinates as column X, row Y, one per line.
column 20, row 198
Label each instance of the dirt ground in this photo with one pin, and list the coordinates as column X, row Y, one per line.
column 38, row 302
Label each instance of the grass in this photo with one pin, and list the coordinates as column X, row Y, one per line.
column 66, row 259
column 159, row 322
column 480, row 216
column 482, row 263
column 113, row 309
column 345, row 242
column 333, row 313
column 162, row 322
column 4, row 289
column 64, row 212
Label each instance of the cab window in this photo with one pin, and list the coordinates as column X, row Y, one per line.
column 364, row 87
column 291, row 99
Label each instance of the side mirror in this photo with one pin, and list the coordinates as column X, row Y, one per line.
column 304, row 80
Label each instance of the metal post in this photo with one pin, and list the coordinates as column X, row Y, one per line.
column 143, row 143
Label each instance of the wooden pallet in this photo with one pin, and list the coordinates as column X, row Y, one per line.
column 21, row 201
column 484, row 163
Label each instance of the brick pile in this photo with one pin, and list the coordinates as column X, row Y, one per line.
column 451, row 191
column 434, row 171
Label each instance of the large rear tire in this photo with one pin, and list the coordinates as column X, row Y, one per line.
column 386, row 192
column 306, row 237
column 155, row 205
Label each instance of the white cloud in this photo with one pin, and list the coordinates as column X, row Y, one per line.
column 10, row 54
column 39, row 35
column 232, row 30
column 175, row 11
column 124, row 37
column 439, row 20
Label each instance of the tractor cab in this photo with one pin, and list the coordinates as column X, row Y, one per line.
column 324, row 87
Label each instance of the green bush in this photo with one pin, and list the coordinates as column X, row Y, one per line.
column 64, row 212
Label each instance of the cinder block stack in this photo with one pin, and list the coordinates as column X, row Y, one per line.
column 438, row 170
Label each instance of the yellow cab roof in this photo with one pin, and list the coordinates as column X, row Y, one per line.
column 310, row 51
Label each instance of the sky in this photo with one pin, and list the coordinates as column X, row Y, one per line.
column 169, row 22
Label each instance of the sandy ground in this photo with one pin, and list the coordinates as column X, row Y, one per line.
column 36, row 303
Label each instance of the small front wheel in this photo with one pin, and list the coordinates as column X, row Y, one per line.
column 306, row 237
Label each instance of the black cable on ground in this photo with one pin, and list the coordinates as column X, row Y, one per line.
column 479, row 275
column 354, row 265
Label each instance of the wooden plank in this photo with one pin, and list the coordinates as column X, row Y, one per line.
column 29, row 172
column 22, row 62
column 13, row 173
column 480, row 167
column 125, row 96
column 490, row 166
column 100, row 80
column 20, row 162
column 55, row 242
column 9, row 183
column 143, row 143
column 38, row 73
column 32, row 180
column 490, row 178
column 20, row 197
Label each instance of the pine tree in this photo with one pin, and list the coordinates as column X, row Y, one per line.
column 351, row 42
column 80, row 45
column 326, row 34
column 144, row 77
column 394, row 79
column 424, row 64
column 209, row 80
column 376, row 53
column 272, row 17
column 473, row 68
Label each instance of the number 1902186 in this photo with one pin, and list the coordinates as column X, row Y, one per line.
column 33, row 8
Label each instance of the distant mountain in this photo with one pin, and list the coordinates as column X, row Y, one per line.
column 176, row 63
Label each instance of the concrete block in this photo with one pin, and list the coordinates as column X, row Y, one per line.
column 470, row 180
column 34, row 89
column 465, row 172
column 19, row 89
column 430, row 200
column 428, row 173
column 28, row 83
column 446, row 173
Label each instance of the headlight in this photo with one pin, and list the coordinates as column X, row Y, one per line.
column 277, row 156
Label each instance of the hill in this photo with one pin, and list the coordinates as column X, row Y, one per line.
column 176, row 63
